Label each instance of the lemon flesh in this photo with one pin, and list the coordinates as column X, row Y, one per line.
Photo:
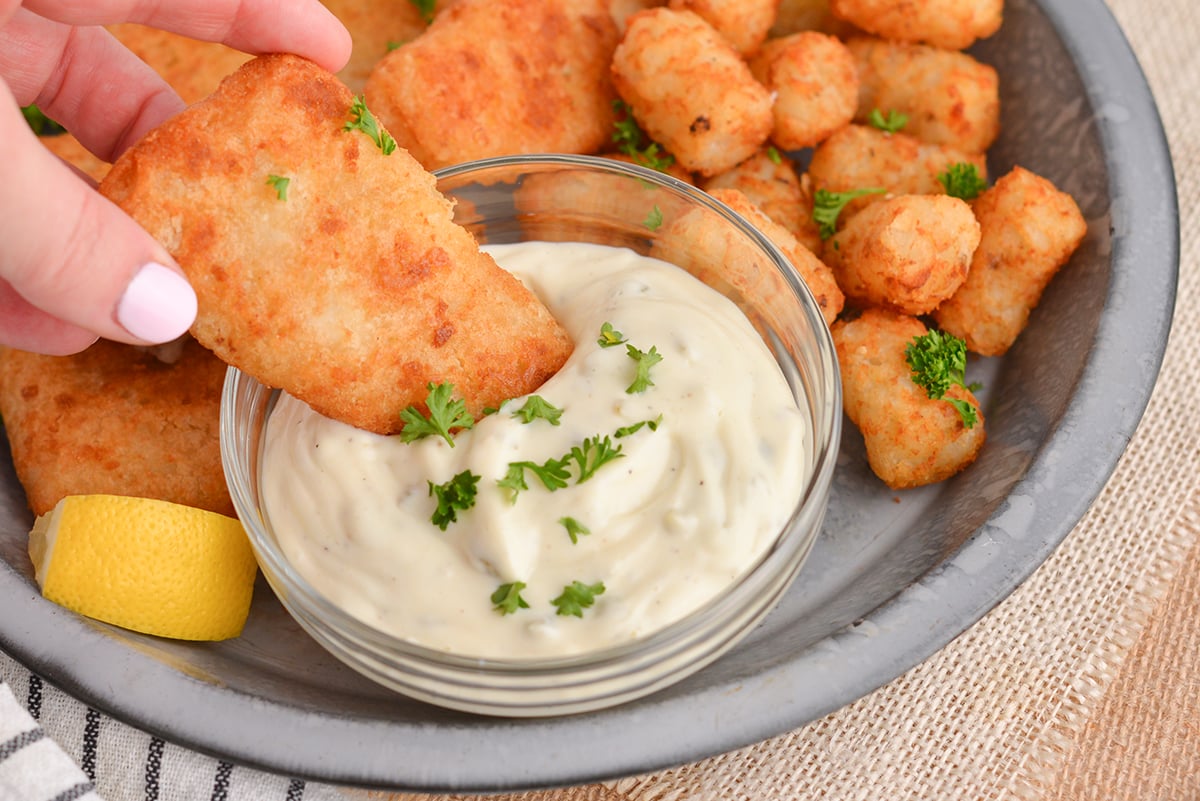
column 147, row 565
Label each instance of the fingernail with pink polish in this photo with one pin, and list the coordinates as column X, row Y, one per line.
column 159, row 304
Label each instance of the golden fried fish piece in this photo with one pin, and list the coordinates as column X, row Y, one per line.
column 325, row 265
column 115, row 420
column 494, row 79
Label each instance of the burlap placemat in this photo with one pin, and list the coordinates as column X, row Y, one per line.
column 1084, row 683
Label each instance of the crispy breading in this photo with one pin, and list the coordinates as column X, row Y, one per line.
column 770, row 181
column 814, row 82
column 351, row 288
column 494, row 79
column 375, row 28
column 115, row 420
column 952, row 24
column 911, row 439
column 193, row 68
column 948, row 97
column 907, row 253
column 1029, row 231
column 690, row 91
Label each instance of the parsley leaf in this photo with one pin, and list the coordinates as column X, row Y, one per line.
column 609, row 336
column 828, row 205
column 454, row 496
column 962, row 180
column 574, row 528
column 577, row 596
column 625, row 431
column 536, row 406
column 361, row 119
column 892, row 122
column 507, row 598
column 40, row 123
column 645, row 360
column 774, row 155
column 654, row 219
column 553, row 474
column 593, row 454
column 279, row 184
column 939, row 361
column 444, row 415
column 426, row 7
column 629, row 139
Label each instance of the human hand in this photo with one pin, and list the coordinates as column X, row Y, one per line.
column 73, row 266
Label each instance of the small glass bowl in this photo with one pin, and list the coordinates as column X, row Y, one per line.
column 601, row 201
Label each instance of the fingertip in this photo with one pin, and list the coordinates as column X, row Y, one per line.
column 158, row 305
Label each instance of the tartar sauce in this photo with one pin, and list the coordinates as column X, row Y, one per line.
column 691, row 503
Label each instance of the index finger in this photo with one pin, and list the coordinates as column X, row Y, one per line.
column 303, row 27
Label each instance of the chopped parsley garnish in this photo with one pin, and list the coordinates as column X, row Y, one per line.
column 609, row 336
column 645, row 360
column 507, row 598
column 536, row 407
column 891, row 122
column 654, row 219
column 426, row 7
column 939, row 361
column 631, row 140
column 553, row 474
column 279, row 184
column 361, row 119
column 39, row 123
column 444, row 415
column 574, row 528
column 591, row 455
column 454, row 496
column 828, row 205
column 577, row 596
column 625, row 431
column 962, row 180
column 774, row 155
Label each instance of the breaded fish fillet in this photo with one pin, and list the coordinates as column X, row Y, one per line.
column 494, row 79
column 116, row 420
column 324, row 265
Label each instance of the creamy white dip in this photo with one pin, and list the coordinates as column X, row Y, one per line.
column 685, row 510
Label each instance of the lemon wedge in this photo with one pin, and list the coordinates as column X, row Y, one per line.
column 147, row 565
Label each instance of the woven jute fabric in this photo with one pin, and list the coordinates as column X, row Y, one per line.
column 1085, row 682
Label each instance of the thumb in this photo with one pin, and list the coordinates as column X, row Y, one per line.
column 78, row 265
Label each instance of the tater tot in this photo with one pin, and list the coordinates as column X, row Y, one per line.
column 861, row 157
column 794, row 16
column 375, row 28
column 907, row 253
column 1029, row 231
column 744, row 23
column 911, row 439
column 952, row 24
column 769, row 180
column 949, row 97
column 815, row 83
column 492, row 79
column 815, row 274
column 622, row 10
column 690, row 91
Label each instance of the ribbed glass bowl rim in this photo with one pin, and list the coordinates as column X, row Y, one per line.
column 690, row 632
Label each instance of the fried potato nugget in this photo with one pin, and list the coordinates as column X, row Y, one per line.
column 1029, row 231
column 951, row 24
column 769, row 180
column 907, row 253
column 794, row 16
column 743, row 23
column 815, row 83
column 814, row 272
column 115, row 420
column 949, row 97
column 493, row 79
column 690, row 91
column 862, row 157
column 193, row 68
column 911, row 439
column 349, row 286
